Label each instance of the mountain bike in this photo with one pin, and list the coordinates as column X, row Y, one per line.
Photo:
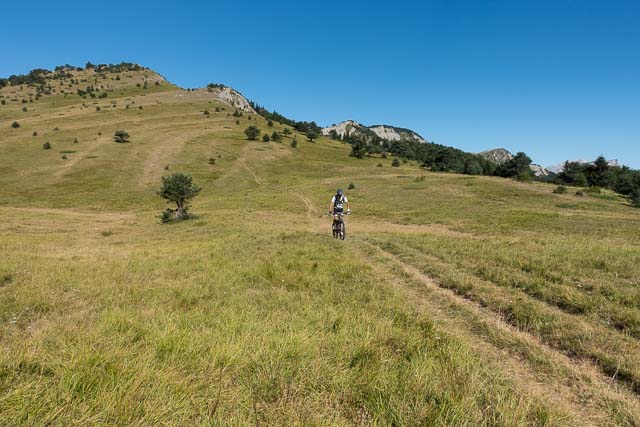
column 338, row 227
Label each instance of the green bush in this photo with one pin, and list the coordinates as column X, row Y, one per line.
column 395, row 163
column 635, row 198
column 275, row 136
column 266, row 138
column 351, row 186
column 294, row 142
column 252, row 133
column 560, row 189
column 270, row 123
column 35, row 133
column 46, row 146
column 15, row 125
column 379, row 165
column 121, row 137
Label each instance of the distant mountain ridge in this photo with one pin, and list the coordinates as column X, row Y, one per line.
column 351, row 128
column 502, row 155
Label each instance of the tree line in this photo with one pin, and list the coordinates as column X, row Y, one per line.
column 602, row 174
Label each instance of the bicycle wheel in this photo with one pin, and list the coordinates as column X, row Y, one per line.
column 334, row 230
column 343, row 231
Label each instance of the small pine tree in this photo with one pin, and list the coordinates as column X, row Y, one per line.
column 75, row 140
column 15, row 125
column 294, row 142
column 121, row 136
column 237, row 122
column 270, row 123
column 24, row 109
column 252, row 133
column 275, row 136
column 35, row 133
column 286, row 131
column 395, row 163
column 312, row 134
column 46, row 146
column 266, row 138
column 178, row 188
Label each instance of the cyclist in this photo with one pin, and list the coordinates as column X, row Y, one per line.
column 338, row 202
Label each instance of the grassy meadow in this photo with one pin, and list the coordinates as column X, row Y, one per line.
column 455, row 300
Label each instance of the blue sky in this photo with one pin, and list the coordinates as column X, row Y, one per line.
column 556, row 79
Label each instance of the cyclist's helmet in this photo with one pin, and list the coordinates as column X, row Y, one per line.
column 340, row 192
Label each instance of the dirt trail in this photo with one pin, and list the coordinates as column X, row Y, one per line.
column 253, row 173
column 75, row 158
column 578, row 388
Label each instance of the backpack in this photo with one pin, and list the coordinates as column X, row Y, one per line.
column 339, row 203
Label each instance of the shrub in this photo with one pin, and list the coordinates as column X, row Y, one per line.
column 294, row 142
column 560, row 189
column 383, row 155
column 635, row 198
column 177, row 188
column 121, row 136
column 35, row 133
column 266, row 138
column 99, row 133
column 46, row 146
column 24, row 109
column 312, row 133
column 64, row 157
column 140, row 107
column 580, row 193
column 15, row 125
column 379, row 165
column 252, row 133
column 97, row 108
column 75, row 140
column 395, row 163
column 237, row 122
column 275, row 136
column 270, row 123
column 217, row 109
column 205, row 112
column 237, row 113
column 286, row 131
column 351, row 186
column 212, row 161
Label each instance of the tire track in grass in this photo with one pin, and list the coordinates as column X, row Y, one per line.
column 590, row 397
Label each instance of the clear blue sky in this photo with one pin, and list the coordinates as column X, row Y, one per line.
column 556, row 79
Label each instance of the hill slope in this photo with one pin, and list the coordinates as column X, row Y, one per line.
column 454, row 300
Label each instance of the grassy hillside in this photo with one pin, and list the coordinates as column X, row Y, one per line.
column 455, row 300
